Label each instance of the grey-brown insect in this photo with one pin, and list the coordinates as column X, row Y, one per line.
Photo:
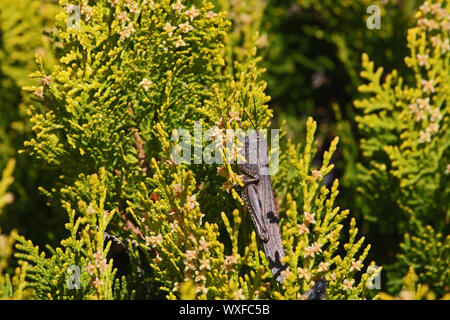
column 318, row 291
column 258, row 197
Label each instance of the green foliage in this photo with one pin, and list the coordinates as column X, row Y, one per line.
column 21, row 26
column 187, row 255
column 412, row 290
column 7, row 179
column 312, row 235
column 111, row 93
column 21, row 38
column 99, row 96
column 246, row 17
column 406, row 147
column 10, row 287
column 83, row 255
column 312, row 50
column 429, row 254
column 128, row 75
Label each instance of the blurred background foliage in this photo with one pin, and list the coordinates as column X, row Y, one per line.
column 311, row 51
column 25, row 31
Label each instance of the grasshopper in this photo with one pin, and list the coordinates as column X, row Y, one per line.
column 317, row 292
column 258, row 197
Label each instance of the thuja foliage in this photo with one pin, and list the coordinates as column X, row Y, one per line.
column 80, row 269
column 246, row 17
column 128, row 74
column 21, row 38
column 312, row 48
column 24, row 29
column 186, row 251
column 12, row 282
column 411, row 290
column 406, row 148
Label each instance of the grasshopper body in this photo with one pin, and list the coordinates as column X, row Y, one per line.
column 258, row 197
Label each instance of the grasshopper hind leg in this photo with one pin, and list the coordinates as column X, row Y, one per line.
column 255, row 208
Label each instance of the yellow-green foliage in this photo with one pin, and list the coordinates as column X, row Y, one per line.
column 85, row 249
column 428, row 251
column 10, row 287
column 246, row 17
column 7, row 179
column 131, row 73
column 406, row 146
column 24, row 33
column 187, row 255
column 409, row 123
column 123, row 68
column 23, row 38
column 411, row 290
column 21, row 27
column 312, row 233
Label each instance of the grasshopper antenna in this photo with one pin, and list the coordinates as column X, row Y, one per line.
column 254, row 111
column 249, row 118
